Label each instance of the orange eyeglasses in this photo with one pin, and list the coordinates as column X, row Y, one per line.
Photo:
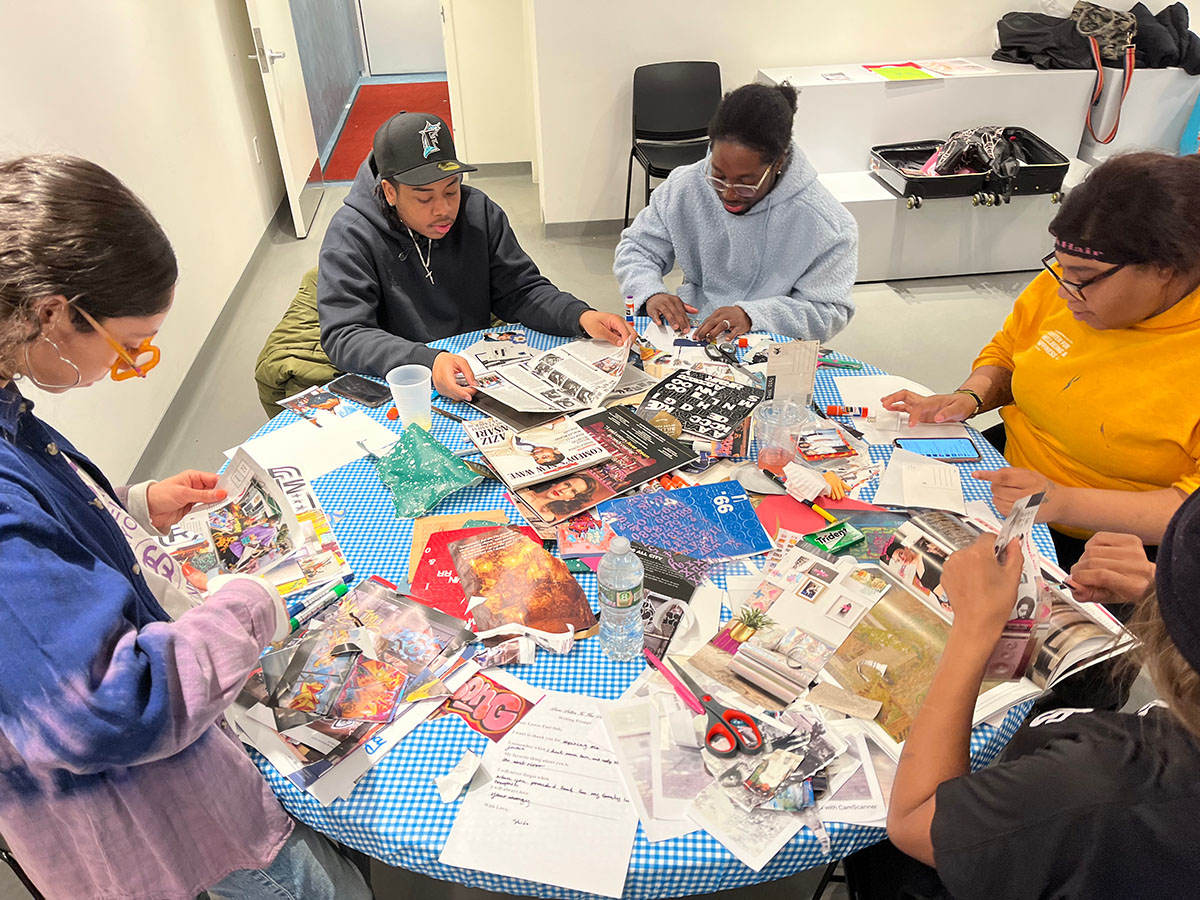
column 129, row 363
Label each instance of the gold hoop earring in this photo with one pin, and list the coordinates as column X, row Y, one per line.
column 45, row 386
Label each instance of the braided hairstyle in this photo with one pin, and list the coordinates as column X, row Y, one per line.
column 757, row 116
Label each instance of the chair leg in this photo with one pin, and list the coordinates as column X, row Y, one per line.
column 826, row 877
column 628, row 186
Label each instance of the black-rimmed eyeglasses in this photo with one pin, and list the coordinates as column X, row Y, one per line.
column 1075, row 288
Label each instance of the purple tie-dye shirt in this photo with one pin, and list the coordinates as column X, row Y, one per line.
column 115, row 780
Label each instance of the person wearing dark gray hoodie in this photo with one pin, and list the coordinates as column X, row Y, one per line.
column 414, row 255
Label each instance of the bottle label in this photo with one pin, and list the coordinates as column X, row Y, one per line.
column 621, row 599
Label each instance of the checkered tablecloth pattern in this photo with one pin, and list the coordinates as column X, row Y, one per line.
column 395, row 815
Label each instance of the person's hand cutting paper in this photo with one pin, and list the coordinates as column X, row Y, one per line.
column 172, row 498
column 606, row 326
column 934, row 409
column 667, row 309
column 452, row 377
column 725, row 320
column 1010, row 485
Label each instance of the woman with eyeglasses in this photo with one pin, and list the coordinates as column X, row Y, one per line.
column 763, row 245
column 116, row 780
column 1095, row 368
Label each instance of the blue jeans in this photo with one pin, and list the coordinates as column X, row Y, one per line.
column 308, row 867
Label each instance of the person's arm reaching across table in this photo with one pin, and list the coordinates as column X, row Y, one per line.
column 938, row 746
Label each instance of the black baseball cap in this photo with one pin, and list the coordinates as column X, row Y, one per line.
column 415, row 149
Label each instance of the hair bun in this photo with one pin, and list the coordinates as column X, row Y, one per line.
column 789, row 94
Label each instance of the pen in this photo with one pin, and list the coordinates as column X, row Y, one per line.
column 317, row 603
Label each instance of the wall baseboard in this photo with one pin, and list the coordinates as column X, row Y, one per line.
column 597, row 228
column 505, row 169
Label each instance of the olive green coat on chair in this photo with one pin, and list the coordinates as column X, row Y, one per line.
column 292, row 359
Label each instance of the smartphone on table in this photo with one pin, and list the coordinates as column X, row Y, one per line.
column 361, row 390
column 961, row 449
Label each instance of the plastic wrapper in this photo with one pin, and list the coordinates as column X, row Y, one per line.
column 421, row 473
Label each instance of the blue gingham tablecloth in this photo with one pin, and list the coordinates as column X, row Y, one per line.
column 395, row 814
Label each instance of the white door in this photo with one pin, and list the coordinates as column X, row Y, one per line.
column 403, row 36
column 279, row 64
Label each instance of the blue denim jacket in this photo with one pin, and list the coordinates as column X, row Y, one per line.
column 115, row 781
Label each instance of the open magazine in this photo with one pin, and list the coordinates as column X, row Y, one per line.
column 316, row 559
column 537, row 454
column 567, row 378
column 253, row 528
column 639, row 452
column 892, row 653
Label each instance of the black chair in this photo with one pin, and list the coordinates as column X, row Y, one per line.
column 672, row 105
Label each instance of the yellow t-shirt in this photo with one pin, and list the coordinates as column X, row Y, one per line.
column 1116, row 409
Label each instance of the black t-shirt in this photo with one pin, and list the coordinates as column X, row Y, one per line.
column 1081, row 805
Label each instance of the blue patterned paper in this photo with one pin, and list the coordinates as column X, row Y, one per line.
column 709, row 521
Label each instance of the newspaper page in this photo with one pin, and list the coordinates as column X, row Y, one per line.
column 571, row 377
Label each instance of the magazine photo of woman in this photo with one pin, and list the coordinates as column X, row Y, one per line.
column 565, row 496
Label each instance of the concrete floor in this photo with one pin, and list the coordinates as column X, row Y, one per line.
column 929, row 331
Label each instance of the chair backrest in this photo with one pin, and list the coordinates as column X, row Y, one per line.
column 674, row 101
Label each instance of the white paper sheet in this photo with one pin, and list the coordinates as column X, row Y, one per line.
column 549, row 804
column 866, row 390
column 318, row 451
column 918, row 481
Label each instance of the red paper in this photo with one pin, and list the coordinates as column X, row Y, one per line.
column 435, row 581
column 785, row 511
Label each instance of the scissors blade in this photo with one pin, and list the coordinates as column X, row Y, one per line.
column 686, row 679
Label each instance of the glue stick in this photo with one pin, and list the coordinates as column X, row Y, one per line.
column 859, row 411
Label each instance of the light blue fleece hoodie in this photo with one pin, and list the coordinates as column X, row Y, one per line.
column 789, row 261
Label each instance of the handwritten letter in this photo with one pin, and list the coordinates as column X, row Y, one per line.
column 548, row 804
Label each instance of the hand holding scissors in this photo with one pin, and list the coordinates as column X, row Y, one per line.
column 728, row 731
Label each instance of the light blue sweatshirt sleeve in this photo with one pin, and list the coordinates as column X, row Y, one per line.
column 646, row 251
column 820, row 304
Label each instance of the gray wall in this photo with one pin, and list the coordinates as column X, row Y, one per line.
column 331, row 57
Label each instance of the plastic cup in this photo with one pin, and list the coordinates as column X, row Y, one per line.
column 776, row 428
column 410, row 386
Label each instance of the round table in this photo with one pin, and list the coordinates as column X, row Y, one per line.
column 395, row 814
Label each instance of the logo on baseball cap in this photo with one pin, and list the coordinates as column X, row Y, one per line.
column 415, row 149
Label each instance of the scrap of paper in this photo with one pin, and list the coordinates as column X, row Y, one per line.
column 456, row 780
column 843, row 701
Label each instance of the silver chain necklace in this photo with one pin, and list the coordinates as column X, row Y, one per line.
column 426, row 258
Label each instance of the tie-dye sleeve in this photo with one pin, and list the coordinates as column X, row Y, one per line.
column 82, row 686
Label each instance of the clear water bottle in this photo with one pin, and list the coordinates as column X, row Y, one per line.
column 621, row 577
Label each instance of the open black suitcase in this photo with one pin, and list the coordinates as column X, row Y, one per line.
column 1041, row 172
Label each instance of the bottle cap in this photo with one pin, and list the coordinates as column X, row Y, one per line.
column 620, row 545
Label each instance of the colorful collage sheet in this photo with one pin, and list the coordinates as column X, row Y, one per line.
column 810, row 603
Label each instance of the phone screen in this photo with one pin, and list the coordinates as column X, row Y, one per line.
column 361, row 390
column 956, row 449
